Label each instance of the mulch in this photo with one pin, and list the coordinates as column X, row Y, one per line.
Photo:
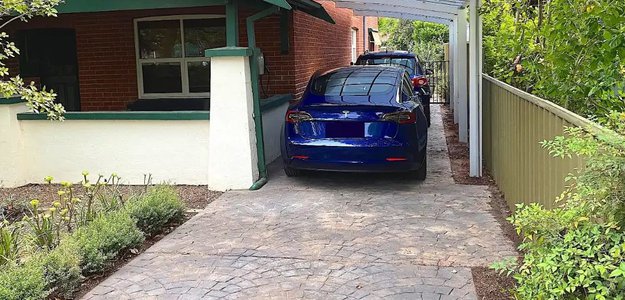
column 14, row 202
column 489, row 284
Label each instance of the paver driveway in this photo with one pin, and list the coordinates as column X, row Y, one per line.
column 326, row 236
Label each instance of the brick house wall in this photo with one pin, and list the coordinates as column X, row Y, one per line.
column 322, row 46
column 105, row 42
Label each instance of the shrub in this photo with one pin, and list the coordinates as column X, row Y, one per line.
column 22, row 282
column 577, row 251
column 61, row 268
column 158, row 207
column 104, row 238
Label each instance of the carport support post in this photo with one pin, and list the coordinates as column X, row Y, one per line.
column 232, row 152
column 452, row 67
column 475, row 97
column 461, row 114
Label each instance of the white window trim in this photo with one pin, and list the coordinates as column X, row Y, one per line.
column 184, row 72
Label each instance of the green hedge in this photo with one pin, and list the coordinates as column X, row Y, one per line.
column 55, row 273
column 159, row 207
column 104, row 238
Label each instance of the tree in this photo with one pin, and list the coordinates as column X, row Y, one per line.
column 571, row 52
column 40, row 101
column 423, row 38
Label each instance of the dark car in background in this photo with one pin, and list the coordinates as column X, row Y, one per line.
column 357, row 119
column 408, row 61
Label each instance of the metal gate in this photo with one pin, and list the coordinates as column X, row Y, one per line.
column 438, row 76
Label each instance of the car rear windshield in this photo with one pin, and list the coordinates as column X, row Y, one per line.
column 356, row 82
column 406, row 62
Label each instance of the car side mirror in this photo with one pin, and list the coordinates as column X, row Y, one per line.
column 429, row 72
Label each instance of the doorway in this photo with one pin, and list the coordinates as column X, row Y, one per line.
column 50, row 56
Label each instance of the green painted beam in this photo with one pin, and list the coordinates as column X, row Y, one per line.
column 126, row 115
column 313, row 8
column 232, row 23
column 78, row 6
column 280, row 3
column 11, row 100
column 228, row 51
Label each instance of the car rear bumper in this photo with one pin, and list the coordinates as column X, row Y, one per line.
column 353, row 166
column 375, row 156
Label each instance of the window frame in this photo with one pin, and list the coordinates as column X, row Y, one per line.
column 183, row 61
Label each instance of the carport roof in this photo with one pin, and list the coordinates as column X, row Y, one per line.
column 439, row 11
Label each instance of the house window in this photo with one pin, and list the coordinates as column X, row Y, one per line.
column 170, row 54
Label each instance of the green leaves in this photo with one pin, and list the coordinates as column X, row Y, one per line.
column 38, row 100
column 577, row 62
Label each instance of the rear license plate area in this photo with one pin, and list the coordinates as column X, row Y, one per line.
column 345, row 129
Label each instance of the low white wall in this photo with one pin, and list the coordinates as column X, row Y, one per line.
column 273, row 120
column 11, row 160
column 171, row 150
column 175, row 151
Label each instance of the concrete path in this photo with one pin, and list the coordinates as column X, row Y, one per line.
column 326, row 236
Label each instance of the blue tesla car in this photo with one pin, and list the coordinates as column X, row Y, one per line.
column 412, row 64
column 357, row 119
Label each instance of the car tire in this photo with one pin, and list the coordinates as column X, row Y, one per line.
column 421, row 173
column 290, row 172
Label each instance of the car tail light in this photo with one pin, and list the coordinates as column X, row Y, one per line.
column 419, row 81
column 402, row 117
column 301, row 157
column 395, row 159
column 294, row 116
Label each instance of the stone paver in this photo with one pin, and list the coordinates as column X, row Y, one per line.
column 326, row 236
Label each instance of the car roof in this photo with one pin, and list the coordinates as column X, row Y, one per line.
column 402, row 54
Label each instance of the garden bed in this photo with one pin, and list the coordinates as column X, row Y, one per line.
column 14, row 201
column 489, row 284
column 60, row 240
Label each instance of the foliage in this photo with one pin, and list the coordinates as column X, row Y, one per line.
column 37, row 100
column 423, row 38
column 9, row 242
column 577, row 251
column 104, row 238
column 45, row 274
column 577, row 62
column 158, row 207
column 45, row 225
column 46, row 254
column 61, row 269
column 25, row 282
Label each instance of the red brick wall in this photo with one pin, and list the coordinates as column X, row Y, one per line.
column 280, row 77
column 106, row 50
column 321, row 46
column 357, row 22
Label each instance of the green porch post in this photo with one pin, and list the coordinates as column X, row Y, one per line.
column 232, row 23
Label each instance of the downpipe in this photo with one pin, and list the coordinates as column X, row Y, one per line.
column 258, row 117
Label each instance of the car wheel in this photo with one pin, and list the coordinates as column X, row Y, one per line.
column 422, row 172
column 290, row 172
